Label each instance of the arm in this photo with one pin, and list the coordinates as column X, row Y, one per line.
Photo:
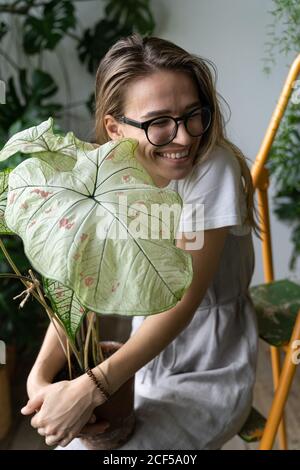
column 54, row 399
column 69, row 404
column 49, row 362
column 157, row 331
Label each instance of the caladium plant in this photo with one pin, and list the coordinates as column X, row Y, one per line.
column 94, row 227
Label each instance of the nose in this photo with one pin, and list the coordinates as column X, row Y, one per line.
column 182, row 137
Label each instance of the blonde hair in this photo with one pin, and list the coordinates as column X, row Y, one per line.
column 134, row 57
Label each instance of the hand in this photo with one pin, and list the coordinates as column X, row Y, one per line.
column 64, row 408
column 37, row 387
column 94, row 427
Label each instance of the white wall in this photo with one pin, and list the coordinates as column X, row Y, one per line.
column 231, row 33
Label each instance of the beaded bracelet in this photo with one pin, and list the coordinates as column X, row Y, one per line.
column 97, row 383
column 107, row 388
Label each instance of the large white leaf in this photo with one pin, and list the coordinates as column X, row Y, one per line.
column 66, row 220
column 65, row 305
column 58, row 151
column 52, row 148
column 4, row 230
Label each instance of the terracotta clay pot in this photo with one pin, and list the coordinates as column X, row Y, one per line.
column 118, row 411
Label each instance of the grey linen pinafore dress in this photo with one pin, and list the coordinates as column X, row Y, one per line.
column 197, row 393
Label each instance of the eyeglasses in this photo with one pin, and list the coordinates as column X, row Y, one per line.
column 162, row 130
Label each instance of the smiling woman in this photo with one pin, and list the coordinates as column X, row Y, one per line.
column 162, row 92
column 194, row 364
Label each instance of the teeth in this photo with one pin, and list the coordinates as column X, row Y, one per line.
column 174, row 156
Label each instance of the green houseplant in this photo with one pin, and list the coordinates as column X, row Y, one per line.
column 284, row 159
column 37, row 29
column 85, row 216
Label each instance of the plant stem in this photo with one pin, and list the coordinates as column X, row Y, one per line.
column 49, row 313
column 38, row 296
column 18, row 275
column 80, row 336
column 100, row 353
column 69, row 360
column 52, row 316
column 15, row 276
column 9, row 260
column 90, row 320
column 95, row 344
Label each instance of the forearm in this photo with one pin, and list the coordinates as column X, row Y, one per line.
column 154, row 335
column 49, row 361
column 157, row 331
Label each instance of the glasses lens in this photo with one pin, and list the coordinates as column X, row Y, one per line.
column 161, row 131
column 198, row 122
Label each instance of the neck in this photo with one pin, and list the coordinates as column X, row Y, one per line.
column 160, row 181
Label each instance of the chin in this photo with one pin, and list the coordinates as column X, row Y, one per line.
column 179, row 175
column 175, row 171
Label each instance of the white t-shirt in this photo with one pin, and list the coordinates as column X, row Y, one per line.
column 212, row 195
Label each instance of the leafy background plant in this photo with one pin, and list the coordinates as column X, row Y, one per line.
column 43, row 25
column 38, row 28
column 284, row 157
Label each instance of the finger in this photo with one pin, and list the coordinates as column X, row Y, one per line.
column 96, row 428
column 36, row 421
column 41, row 431
column 32, row 406
column 65, row 441
column 54, row 439
column 59, row 440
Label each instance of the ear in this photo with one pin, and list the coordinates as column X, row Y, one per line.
column 113, row 127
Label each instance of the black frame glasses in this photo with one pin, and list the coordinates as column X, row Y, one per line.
column 145, row 125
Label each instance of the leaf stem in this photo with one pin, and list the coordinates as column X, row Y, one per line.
column 90, row 320
column 38, row 296
column 52, row 316
column 10, row 261
column 69, row 360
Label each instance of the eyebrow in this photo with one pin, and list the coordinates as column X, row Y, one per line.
column 166, row 111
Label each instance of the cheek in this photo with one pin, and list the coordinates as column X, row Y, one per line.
column 145, row 151
column 197, row 144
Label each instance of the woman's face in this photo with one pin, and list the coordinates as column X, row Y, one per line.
column 162, row 93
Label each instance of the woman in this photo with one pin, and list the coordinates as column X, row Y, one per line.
column 195, row 363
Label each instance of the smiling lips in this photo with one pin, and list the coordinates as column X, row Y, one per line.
column 174, row 155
